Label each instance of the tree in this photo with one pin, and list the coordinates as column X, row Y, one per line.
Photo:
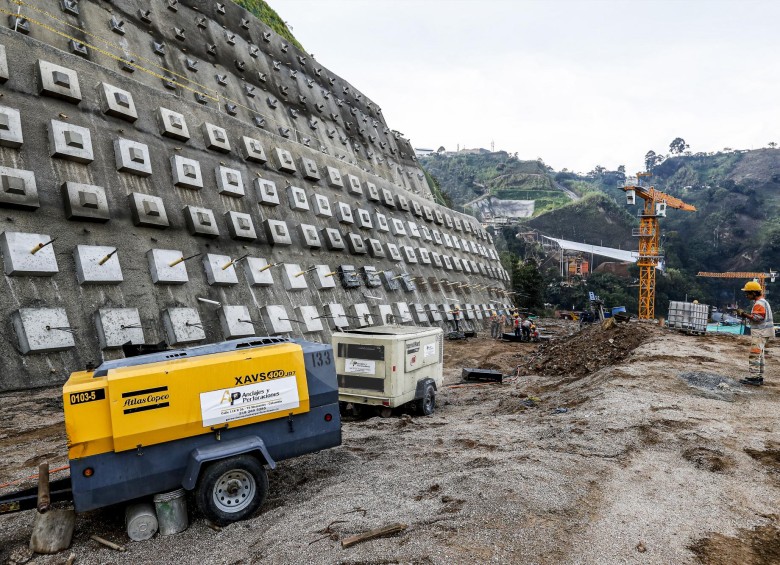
column 677, row 146
column 772, row 144
column 652, row 159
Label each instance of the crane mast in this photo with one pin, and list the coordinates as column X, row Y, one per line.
column 649, row 254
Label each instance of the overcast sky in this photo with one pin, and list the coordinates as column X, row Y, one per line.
column 578, row 83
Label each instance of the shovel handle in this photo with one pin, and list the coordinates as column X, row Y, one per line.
column 44, row 497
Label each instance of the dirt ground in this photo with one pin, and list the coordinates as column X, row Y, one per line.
column 628, row 445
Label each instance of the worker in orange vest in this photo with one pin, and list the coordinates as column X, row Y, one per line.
column 761, row 329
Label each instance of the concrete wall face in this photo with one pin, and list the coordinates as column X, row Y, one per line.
column 154, row 153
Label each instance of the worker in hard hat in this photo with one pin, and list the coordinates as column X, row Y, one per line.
column 494, row 332
column 761, row 329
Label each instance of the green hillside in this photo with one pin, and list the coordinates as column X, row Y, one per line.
column 269, row 17
column 464, row 176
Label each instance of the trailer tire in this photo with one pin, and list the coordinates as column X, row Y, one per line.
column 427, row 404
column 231, row 489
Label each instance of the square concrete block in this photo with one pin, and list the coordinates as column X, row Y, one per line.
column 447, row 262
column 166, row 267
column 323, row 277
column 427, row 213
column 3, row 65
column 416, row 208
column 468, row 227
column 85, row 202
column 333, row 239
column 252, row 150
column 172, row 124
column 414, row 230
column 186, row 172
column 436, row 237
column 69, row 141
column 389, row 280
column 397, row 227
column 448, row 221
column 297, row 199
column 456, row 264
column 321, row 206
column 220, row 270
column 266, row 192
column 457, row 223
column 372, row 192
column 276, row 319
column 117, row 102
column 402, row 313
column 407, row 251
column 383, row 314
column 336, row 315
column 363, row 219
column 294, row 277
column 381, row 222
column 355, row 244
column 392, row 252
column 371, row 276
column 97, row 264
column 215, row 138
column 182, row 325
column 41, row 330
column 257, row 272
column 10, row 127
column 229, row 181
column 240, row 226
column 446, row 311
column 283, row 160
column 407, row 283
column 18, row 256
column 235, row 322
column 309, row 236
column 424, row 255
column 438, row 217
column 402, row 202
column 434, row 314
column 349, row 276
column 436, row 258
column 374, row 247
column 353, row 185
column 58, row 82
column 132, row 157
column 418, row 313
column 362, row 314
column 344, row 213
column 200, row 221
column 387, row 198
column 309, row 318
column 148, row 211
column 447, row 240
column 466, row 267
column 277, row 232
column 309, row 169
column 333, row 177
column 117, row 326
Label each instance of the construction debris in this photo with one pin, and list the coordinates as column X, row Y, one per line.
column 373, row 534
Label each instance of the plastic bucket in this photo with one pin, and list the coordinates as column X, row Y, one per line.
column 141, row 521
column 171, row 511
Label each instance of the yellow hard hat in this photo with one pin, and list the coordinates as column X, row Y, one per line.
column 695, row 301
column 752, row 286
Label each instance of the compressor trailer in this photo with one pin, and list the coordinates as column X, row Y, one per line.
column 207, row 418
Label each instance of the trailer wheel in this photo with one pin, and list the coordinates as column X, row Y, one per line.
column 427, row 404
column 232, row 489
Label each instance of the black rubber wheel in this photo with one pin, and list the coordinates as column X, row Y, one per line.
column 427, row 404
column 231, row 489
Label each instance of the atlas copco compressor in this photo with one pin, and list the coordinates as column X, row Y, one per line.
column 207, row 418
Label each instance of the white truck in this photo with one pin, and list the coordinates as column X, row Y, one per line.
column 389, row 366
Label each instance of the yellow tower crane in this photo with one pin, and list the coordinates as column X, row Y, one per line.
column 648, row 233
column 760, row 277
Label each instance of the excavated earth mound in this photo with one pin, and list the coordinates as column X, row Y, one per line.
column 587, row 351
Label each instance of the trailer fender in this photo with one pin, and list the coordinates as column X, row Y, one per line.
column 420, row 390
column 223, row 450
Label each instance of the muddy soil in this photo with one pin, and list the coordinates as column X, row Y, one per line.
column 656, row 455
